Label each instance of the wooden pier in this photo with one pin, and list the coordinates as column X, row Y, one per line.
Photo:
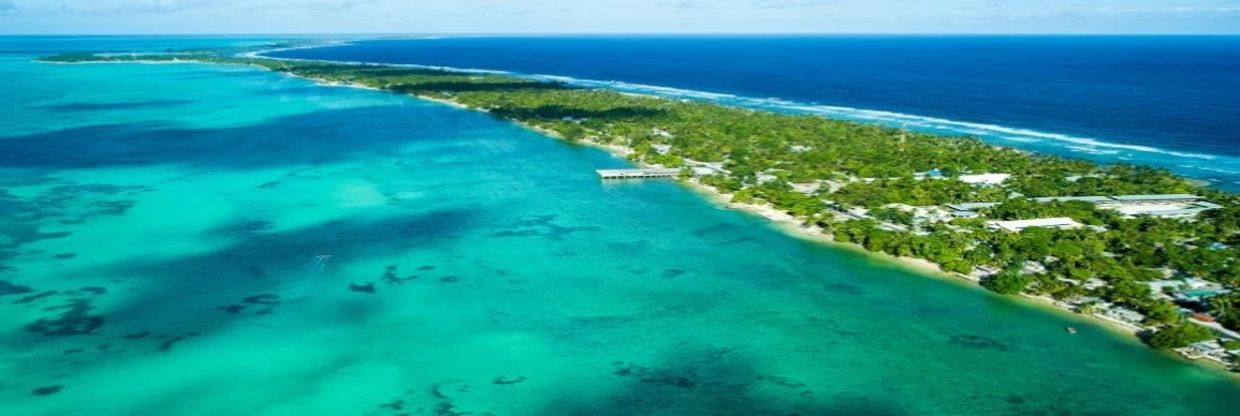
column 637, row 173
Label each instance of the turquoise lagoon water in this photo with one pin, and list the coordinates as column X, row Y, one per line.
column 205, row 240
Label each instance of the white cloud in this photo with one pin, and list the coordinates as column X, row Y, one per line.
column 788, row 4
column 138, row 6
column 623, row 16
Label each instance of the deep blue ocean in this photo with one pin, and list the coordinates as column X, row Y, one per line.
column 1160, row 100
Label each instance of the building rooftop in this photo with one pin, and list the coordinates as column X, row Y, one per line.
column 985, row 178
column 1158, row 197
column 1154, row 209
column 972, row 206
column 1207, row 205
column 1094, row 199
column 1184, row 212
column 636, row 173
column 1060, row 222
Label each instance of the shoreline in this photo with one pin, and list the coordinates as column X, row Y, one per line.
column 792, row 227
column 783, row 221
column 1068, row 142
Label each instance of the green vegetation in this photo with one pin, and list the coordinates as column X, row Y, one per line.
column 1179, row 335
column 765, row 156
column 1231, row 345
column 1227, row 309
column 1008, row 282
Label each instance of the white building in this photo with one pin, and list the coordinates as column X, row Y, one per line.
column 1093, row 199
column 1123, row 314
column 1062, row 223
column 807, row 188
column 923, row 214
column 973, row 206
column 985, row 178
column 1094, row 283
column 965, row 214
column 1157, row 199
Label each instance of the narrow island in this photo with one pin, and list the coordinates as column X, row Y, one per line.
column 1135, row 246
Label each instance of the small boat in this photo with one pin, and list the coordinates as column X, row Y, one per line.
column 1070, row 329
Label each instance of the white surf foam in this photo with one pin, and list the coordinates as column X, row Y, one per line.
column 1116, row 151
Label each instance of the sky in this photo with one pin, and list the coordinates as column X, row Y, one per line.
column 618, row 16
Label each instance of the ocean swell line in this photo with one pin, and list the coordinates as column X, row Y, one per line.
column 1072, row 143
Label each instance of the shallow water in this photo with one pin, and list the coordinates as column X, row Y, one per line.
column 200, row 240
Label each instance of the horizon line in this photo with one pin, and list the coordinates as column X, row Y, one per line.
column 136, row 34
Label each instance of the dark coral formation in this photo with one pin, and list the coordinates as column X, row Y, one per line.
column 682, row 379
column 232, row 309
column 75, row 317
column 35, row 297
column 136, row 335
column 508, row 380
column 364, row 288
column 75, row 320
column 392, row 278
column 844, row 288
column 543, row 226
column 978, row 342
column 268, row 300
column 170, row 341
column 91, row 290
column 442, row 394
column 263, row 299
column 394, row 405
column 712, row 381
column 58, row 204
column 9, row 288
